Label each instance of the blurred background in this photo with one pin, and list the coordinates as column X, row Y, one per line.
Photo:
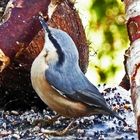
column 104, row 23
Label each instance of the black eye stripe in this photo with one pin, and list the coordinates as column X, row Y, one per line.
column 57, row 46
column 53, row 40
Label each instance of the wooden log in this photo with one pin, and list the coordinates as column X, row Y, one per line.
column 20, row 25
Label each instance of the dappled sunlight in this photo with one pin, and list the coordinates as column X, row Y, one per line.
column 107, row 36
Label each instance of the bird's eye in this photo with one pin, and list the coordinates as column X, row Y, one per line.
column 45, row 53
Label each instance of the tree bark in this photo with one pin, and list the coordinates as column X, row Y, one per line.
column 20, row 25
column 132, row 55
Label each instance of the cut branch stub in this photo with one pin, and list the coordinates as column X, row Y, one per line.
column 133, row 26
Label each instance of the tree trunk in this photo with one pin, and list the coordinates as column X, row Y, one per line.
column 132, row 55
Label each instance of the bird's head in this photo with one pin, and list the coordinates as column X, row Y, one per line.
column 59, row 46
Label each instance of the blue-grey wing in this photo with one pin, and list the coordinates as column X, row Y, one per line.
column 91, row 98
column 76, row 86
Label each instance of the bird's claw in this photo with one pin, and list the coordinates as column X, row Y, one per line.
column 44, row 122
column 60, row 133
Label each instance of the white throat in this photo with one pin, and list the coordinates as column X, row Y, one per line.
column 52, row 56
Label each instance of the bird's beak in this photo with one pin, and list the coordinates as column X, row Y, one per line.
column 43, row 23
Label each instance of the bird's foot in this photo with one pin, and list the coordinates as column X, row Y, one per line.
column 44, row 122
column 62, row 132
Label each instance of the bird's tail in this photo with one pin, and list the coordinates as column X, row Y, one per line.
column 114, row 114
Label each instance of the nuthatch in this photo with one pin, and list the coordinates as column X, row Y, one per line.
column 59, row 81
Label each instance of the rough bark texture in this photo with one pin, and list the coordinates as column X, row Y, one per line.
column 132, row 55
column 15, row 85
column 19, row 25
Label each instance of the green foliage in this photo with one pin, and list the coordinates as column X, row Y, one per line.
column 108, row 36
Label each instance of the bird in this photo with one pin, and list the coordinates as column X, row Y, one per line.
column 59, row 82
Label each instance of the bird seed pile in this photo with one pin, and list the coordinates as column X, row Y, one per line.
column 16, row 125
